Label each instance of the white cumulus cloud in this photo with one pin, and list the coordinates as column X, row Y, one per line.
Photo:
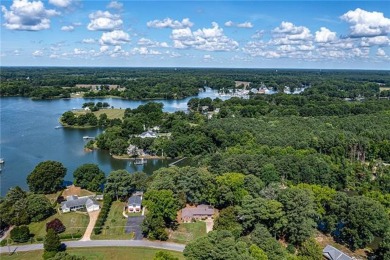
column 61, row 3
column 37, row 53
column 28, row 16
column 150, row 43
column 208, row 39
column 288, row 33
column 381, row 53
column 170, row 23
column 116, row 37
column 68, row 28
column 366, row 24
column 378, row 40
column 104, row 21
column 144, row 51
column 88, row 41
column 239, row 25
column 115, row 5
column 325, row 35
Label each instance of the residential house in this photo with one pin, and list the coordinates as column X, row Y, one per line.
column 148, row 134
column 74, row 203
column 134, row 202
column 333, row 253
column 199, row 212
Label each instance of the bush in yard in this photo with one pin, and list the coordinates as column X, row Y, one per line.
column 56, row 225
column 51, row 245
column 20, row 234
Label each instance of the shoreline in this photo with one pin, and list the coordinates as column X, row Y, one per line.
column 126, row 157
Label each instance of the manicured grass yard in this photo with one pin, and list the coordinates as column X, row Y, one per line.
column 98, row 253
column 74, row 223
column 187, row 232
column 111, row 113
column 114, row 228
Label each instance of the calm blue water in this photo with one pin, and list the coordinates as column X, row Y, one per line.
column 28, row 136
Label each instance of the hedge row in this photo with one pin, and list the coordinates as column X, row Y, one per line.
column 107, row 201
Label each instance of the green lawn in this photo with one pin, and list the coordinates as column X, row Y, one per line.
column 74, row 223
column 111, row 113
column 187, row 232
column 114, row 228
column 98, row 253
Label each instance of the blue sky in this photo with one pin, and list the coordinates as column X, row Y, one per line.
column 234, row 34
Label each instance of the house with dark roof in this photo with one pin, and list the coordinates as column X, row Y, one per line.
column 199, row 212
column 134, row 202
column 333, row 253
column 74, row 203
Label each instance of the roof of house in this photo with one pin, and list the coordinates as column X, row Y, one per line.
column 333, row 253
column 78, row 202
column 200, row 210
column 148, row 133
column 134, row 199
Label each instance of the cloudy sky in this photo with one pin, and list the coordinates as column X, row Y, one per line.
column 249, row 34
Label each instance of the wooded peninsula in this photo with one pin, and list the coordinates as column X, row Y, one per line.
column 291, row 158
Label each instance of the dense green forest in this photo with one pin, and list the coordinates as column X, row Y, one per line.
column 280, row 168
column 168, row 83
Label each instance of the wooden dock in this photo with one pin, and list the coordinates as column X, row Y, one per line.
column 173, row 164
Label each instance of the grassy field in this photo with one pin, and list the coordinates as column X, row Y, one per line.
column 187, row 232
column 74, row 223
column 111, row 113
column 53, row 197
column 98, row 253
column 114, row 228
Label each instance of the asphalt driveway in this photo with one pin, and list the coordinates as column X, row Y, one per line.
column 134, row 225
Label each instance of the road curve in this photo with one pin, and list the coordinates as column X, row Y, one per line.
column 100, row 243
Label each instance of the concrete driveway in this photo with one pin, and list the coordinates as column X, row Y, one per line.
column 92, row 221
column 134, row 225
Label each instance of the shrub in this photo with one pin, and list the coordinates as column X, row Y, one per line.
column 20, row 234
column 56, row 225
column 107, row 201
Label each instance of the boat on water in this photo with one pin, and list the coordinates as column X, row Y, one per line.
column 2, row 161
column 140, row 161
column 58, row 127
column 88, row 137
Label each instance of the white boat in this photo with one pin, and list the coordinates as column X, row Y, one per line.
column 58, row 127
column 88, row 137
column 140, row 161
column 1, row 161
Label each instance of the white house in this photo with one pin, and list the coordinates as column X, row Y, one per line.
column 74, row 203
column 134, row 202
column 148, row 134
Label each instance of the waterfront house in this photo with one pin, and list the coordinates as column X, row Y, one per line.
column 134, row 202
column 332, row 253
column 199, row 212
column 74, row 203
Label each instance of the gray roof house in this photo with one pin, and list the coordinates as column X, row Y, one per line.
column 199, row 212
column 333, row 253
column 148, row 134
column 134, row 202
column 74, row 203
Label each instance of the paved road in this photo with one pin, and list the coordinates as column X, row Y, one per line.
column 101, row 243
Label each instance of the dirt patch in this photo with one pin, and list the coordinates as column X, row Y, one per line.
column 74, row 190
